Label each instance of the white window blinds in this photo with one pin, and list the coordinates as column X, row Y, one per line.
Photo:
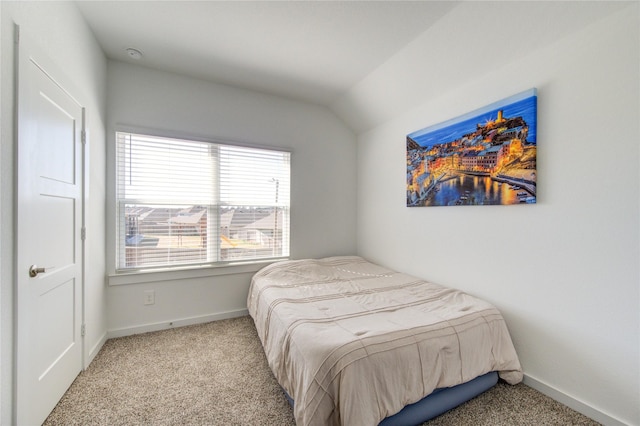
column 183, row 202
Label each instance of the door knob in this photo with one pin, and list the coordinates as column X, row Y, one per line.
column 34, row 271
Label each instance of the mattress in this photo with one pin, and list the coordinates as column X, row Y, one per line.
column 441, row 401
column 353, row 342
column 437, row 402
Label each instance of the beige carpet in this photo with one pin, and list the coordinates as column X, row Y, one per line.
column 217, row 374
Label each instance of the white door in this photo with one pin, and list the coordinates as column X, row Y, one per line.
column 49, row 224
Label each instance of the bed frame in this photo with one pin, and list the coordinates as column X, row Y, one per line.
column 438, row 402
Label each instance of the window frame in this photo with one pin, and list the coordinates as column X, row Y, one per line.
column 119, row 275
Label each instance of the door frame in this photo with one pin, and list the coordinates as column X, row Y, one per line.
column 24, row 48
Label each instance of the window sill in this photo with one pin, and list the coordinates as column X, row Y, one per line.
column 141, row 277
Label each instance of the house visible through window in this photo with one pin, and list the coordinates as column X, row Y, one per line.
column 184, row 202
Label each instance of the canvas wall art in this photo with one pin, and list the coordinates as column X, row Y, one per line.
column 485, row 157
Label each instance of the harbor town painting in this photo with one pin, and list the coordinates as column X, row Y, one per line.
column 485, row 157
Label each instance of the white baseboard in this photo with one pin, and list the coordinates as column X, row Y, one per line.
column 572, row 402
column 165, row 325
column 94, row 350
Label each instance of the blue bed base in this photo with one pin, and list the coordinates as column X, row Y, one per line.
column 438, row 402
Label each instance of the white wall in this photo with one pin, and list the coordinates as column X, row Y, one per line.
column 565, row 272
column 59, row 29
column 323, row 190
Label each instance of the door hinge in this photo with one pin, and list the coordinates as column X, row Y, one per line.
column 83, row 329
column 83, row 136
column 83, row 233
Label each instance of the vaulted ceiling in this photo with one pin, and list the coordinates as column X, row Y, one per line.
column 365, row 60
column 307, row 50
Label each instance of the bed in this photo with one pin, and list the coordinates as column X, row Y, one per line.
column 354, row 343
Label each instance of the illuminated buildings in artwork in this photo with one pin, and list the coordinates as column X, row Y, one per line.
column 494, row 147
column 486, row 150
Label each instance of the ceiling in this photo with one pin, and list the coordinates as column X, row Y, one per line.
column 313, row 51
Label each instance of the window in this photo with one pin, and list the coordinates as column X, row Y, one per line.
column 184, row 202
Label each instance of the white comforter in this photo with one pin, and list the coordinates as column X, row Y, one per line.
column 352, row 342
